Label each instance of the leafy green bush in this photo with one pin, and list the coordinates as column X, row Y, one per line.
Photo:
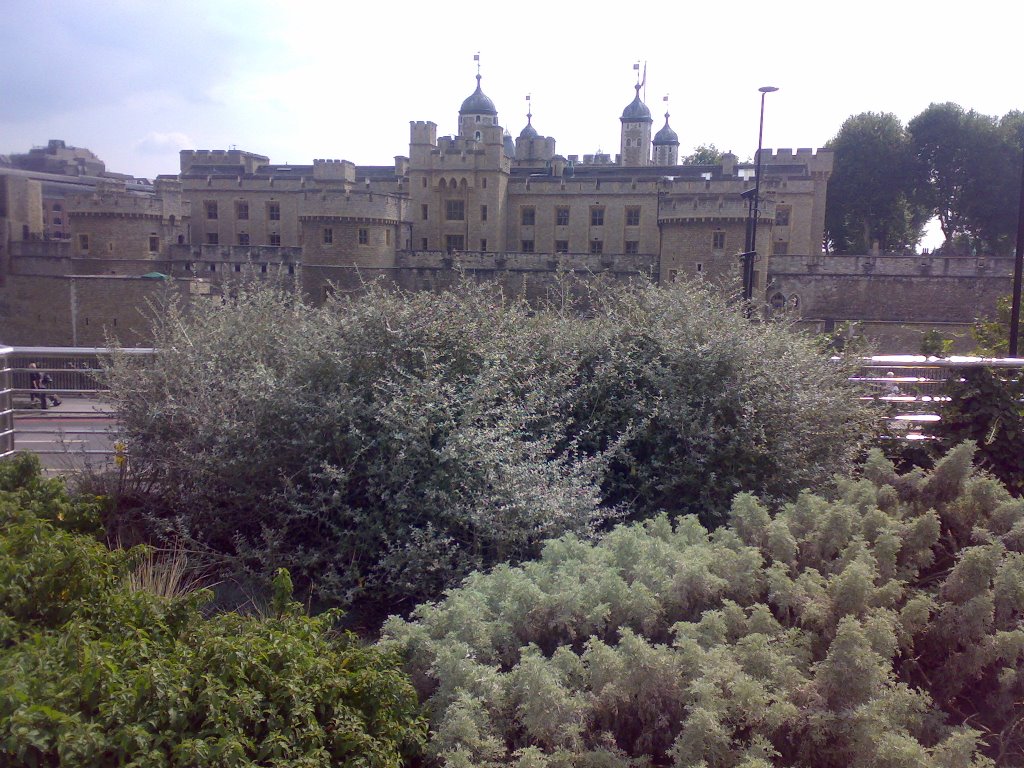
column 985, row 406
column 93, row 673
column 882, row 628
column 384, row 446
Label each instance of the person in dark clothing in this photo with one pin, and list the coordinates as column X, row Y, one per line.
column 38, row 382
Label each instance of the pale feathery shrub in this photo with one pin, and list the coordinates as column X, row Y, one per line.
column 882, row 627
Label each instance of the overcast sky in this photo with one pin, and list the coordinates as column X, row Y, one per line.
column 137, row 81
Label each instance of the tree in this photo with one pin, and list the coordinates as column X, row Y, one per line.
column 880, row 627
column 992, row 336
column 703, row 154
column 94, row 671
column 973, row 163
column 874, row 190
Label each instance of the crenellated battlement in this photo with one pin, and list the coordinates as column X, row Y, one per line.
column 334, row 170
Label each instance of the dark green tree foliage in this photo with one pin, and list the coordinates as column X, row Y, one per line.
column 94, row 673
column 884, row 627
column 875, row 188
column 973, row 163
column 383, row 447
column 992, row 336
column 985, row 406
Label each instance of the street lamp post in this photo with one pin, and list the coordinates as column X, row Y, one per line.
column 755, row 208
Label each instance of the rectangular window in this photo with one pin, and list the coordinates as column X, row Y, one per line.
column 58, row 220
column 213, row 267
column 782, row 216
column 154, row 244
column 211, row 209
column 597, row 216
column 454, row 210
column 483, row 245
column 424, row 212
column 211, row 238
column 454, row 242
column 274, row 211
column 83, row 242
column 632, row 247
column 562, row 216
column 633, row 216
column 364, row 236
column 275, row 239
column 527, row 215
column 596, row 247
column 242, row 210
column 328, row 235
column 483, row 213
column 387, row 237
column 238, row 267
column 561, row 246
column 527, row 246
column 780, row 248
column 263, row 268
column 718, row 241
column 243, row 238
column 423, row 244
column 700, row 267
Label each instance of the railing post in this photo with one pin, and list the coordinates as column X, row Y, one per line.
column 6, row 403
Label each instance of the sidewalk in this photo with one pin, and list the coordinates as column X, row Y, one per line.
column 71, row 407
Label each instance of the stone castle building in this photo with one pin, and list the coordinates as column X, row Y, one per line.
column 476, row 203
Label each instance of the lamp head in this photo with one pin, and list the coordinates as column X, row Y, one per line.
column 767, row 89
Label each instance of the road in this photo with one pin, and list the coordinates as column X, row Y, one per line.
column 72, row 436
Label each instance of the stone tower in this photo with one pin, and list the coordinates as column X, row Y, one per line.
column 666, row 146
column 636, row 132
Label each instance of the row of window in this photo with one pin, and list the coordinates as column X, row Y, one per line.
column 455, row 210
column 362, row 236
column 242, row 210
column 596, row 247
column 237, row 267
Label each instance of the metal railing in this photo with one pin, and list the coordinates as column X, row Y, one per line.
column 29, row 418
column 912, row 386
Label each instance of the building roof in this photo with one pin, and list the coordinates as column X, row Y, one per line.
column 637, row 110
column 529, row 132
column 666, row 135
column 478, row 103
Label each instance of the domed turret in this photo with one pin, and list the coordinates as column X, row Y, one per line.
column 636, row 132
column 666, row 146
column 478, row 103
column 529, row 132
column 510, row 145
column 637, row 110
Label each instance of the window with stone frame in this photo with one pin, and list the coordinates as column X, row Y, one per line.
column 527, row 246
column 632, row 247
column 275, row 238
column 597, row 216
column 364, row 236
column 83, row 242
column 528, row 215
column 243, row 238
column 154, row 244
column 273, row 211
column 483, row 213
column 596, row 246
column 212, row 238
column 782, row 215
column 455, row 210
column 242, row 209
column 328, row 235
column 454, row 242
column 561, row 246
column 424, row 211
column 211, row 209
column 780, row 248
column 718, row 241
column 633, row 216
column 562, row 216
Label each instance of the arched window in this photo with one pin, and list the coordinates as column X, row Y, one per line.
column 477, row 136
